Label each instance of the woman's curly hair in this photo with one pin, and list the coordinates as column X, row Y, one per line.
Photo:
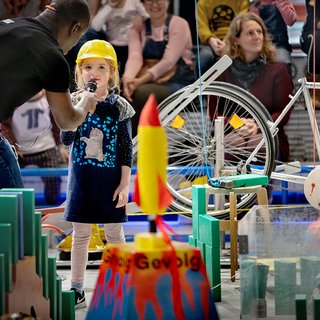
column 233, row 50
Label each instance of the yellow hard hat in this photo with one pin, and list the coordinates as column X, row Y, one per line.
column 98, row 49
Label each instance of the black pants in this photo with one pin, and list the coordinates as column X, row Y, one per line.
column 122, row 56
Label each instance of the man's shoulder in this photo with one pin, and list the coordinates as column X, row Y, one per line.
column 24, row 24
column 27, row 34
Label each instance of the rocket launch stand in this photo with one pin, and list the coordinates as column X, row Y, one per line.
column 232, row 186
column 231, row 225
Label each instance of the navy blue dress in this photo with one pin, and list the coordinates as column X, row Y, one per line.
column 99, row 147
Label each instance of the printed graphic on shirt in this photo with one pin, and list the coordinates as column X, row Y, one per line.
column 97, row 145
column 33, row 117
column 122, row 24
column 222, row 16
column 94, row 144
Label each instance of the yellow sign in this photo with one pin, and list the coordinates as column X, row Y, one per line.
column 236, row 122
column 177, row 122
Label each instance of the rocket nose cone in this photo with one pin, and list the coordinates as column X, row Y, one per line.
column 150, row 114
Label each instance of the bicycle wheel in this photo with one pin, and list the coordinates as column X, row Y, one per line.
column 192, row 145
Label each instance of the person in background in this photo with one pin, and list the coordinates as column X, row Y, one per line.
column 36, row 137
column 21, row 8
column 31, row 59
column 214, row 18
column 277, row 15
column 255, row 69
column 115, row 19
column 310, row 43
column 160, row 57
column 100, row 159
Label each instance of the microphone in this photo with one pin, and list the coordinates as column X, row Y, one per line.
column 91, row 86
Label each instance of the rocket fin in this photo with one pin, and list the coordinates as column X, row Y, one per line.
column 136, row 193
column 165, row 198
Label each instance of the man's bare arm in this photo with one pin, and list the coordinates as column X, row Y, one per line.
column 67, row 116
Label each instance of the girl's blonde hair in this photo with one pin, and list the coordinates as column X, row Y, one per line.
column 114, row 80
column 233, row 50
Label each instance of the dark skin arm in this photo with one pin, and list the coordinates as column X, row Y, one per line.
column 69, row 117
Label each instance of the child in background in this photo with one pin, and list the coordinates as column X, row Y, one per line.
column 115, row 19
column 100, row 159
column 34, row 133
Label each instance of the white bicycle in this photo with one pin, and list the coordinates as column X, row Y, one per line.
column 192, row 145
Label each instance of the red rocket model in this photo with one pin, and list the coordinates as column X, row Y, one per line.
column 151, row 193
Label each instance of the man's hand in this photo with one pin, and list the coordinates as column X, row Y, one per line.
column 67, row 116
column 88, row 101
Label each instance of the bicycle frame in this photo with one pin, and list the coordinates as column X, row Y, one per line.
column 303, row 89
column 190, row 92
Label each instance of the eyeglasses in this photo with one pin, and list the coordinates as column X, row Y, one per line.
column 154, row 1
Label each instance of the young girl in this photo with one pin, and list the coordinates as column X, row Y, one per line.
column 100, row 159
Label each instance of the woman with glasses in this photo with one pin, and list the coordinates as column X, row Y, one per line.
column 160, row 53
